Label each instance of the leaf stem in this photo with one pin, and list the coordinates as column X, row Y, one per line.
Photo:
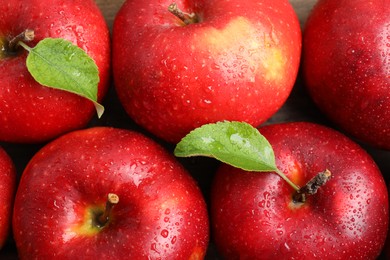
column 25, row 46
column 284, row 177
column 25, row 36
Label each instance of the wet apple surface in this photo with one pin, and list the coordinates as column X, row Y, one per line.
column 236, row 62
column 7, row 191
column 153, row 209
column 254, row 214
column 346, row 66
column 30, row 112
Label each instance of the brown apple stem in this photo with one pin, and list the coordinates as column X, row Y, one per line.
column 112, row 200
column 26, row 36
column 185, row 17
column 312, row 186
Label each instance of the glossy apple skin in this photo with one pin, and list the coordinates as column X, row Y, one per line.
column 30, row 112
column 238, row 63
column 7, row 192
column 253, row 215
column 161, row 213
column 346, row 66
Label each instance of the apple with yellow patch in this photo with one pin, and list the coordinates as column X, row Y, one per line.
column 107, row 193
column 181, row 65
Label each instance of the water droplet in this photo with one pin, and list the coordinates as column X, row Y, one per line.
column 173, row 241
column 261, row 204
column 350, row 51
column 252, row 52
column 241, row 75
column 244, row 67
column 265, row 223
column 292, row 234
column 209, row 89
column 186, row 102
column 167, row 211
column 204, row 102
column 166, row 219
column 215, row 66
column 70, row 56
column 164, row 233
column 279, row 232
column 76, row 73
column 153, row 247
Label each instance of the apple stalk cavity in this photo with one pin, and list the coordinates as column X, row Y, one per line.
column 103, row 219
column 10, row 47
column 186, row 18
column 312, row 186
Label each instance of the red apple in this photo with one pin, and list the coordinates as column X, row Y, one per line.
column 7, row 192
column 62, row 198
column 346, row 66
column 254, row 215
column 228, row 60
column 30, row 112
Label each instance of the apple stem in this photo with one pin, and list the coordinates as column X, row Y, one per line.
column 186, row 18
column 112, row 200
column 284, row 177
column 26, row 36
column 312, row 186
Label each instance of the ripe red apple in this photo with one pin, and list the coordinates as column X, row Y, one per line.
column 30, row 112
column 7, row 192
column 226, row 60
column 61, row 207
column 254, row 215
column 346, row 65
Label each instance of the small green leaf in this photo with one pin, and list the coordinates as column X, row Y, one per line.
column 59, row 64
column 235, row 143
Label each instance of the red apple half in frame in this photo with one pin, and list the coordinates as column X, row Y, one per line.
column 62, row 197
column 346, row 65
column 7, row 192
column 30, row 112
column 254, row 215
column 227, row 60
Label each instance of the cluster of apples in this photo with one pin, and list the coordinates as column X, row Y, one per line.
column 115, row 193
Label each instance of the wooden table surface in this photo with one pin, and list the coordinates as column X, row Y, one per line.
column 298, row 107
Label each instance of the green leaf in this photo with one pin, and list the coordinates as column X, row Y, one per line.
column 59, row 64
column 235, row 143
